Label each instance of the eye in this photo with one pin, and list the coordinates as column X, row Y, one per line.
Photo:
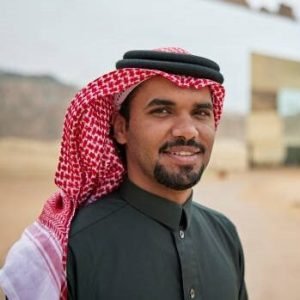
column 203, row 113
column 160, row 111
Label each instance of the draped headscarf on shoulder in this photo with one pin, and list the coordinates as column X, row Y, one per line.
column 89, row 166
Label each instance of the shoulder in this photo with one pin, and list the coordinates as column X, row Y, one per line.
column 96, row 212
column 212, row 214
column 216, row 221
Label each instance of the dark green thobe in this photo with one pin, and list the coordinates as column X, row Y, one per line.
column 134, row 245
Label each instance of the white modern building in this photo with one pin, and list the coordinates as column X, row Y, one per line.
column 259, row 53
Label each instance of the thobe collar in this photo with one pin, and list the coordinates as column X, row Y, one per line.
column 168, row 213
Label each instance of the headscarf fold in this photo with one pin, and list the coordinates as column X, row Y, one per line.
column 89, row 168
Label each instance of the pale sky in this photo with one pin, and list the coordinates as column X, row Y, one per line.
column 49, row 36
column 78, row 40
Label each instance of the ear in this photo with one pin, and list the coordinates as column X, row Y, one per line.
column 120, row 128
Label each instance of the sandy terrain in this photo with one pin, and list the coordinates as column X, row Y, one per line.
column 264, row 205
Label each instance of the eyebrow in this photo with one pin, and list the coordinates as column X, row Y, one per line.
column 165, row 102
column 157, row 102
column 206, row 105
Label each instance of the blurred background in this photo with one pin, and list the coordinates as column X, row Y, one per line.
column 49, row 50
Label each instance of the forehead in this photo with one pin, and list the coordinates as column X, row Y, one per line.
column 159, row 87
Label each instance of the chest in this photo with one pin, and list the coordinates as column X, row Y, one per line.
column 151, row 262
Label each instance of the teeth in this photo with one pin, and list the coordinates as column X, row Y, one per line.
column 183, row 153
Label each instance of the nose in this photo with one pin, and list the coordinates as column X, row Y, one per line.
column 184, row 127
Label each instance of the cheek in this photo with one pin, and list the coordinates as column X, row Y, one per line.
column 147, row 129
column 141, row 135
column 207, row 136
column 207, row 130
column 211, row 134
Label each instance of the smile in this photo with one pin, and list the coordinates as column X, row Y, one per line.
column 183, row 150
column 183, row 153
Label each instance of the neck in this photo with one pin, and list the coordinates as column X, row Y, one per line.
column 160, row 190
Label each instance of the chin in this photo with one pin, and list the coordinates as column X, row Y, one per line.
column 181, row 180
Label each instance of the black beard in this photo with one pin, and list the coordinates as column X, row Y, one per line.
column 184, row 179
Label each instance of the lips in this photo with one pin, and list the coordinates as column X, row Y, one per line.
column 183, row 155
column 183, row 151
column 181, row 147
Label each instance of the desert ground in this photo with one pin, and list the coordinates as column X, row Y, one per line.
column 264, row 204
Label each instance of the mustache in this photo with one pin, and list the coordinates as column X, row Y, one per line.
column 182, row 142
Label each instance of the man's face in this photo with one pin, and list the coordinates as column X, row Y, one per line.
column 169, row 135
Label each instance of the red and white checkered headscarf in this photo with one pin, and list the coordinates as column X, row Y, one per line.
column 88, row 168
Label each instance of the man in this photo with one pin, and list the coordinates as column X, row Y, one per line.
column 145, row 238
column 148, row 240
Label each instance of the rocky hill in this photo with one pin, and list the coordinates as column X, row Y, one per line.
column 284, row 10
column 32, row 106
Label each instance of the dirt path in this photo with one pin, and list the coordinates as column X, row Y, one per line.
column 264, row 205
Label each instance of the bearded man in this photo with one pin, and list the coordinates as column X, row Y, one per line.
column 124, row 224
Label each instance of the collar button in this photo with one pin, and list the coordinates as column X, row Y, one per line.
column 181, row 234
column 192, row 293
